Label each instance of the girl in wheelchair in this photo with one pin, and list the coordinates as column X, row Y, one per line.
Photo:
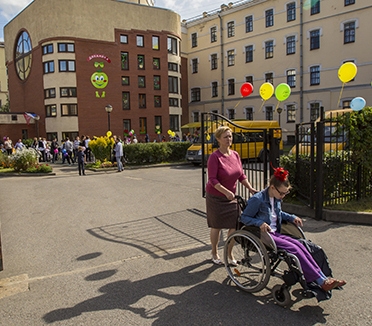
column 263, row 210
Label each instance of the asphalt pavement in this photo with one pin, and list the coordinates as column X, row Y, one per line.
column 132, row 248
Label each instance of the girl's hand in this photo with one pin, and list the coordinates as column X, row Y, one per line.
column 265, row 227
column 298, row 221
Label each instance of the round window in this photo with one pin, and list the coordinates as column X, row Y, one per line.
column 23, row 55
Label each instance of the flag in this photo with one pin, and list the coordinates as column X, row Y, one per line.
column 28, row 116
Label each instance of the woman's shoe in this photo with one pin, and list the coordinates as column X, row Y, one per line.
column 233, row 262
column 216, row 261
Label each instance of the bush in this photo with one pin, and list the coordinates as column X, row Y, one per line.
column 24, row 159
column 40, row 168
column 6, row 161
column 102, row 147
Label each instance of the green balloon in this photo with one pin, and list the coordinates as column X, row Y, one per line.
column 282, row 92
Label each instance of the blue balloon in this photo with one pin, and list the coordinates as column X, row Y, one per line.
column 358, row 103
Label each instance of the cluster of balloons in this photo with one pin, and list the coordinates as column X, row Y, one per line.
column 131, row 133
column 282, row 91
column 171, row 133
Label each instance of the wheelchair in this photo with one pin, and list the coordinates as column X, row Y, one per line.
column 258, row 258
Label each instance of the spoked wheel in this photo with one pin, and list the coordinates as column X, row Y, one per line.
column 252, row 272
column 281, row 295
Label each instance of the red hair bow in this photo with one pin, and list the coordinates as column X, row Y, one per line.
column 280, row 173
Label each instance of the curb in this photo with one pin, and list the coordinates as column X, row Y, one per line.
column 349, row 217
column 13, row 174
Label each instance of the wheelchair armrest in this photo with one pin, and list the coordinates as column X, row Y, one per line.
column 265, row 237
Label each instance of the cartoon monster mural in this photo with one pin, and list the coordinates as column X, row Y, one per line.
column 99, row 79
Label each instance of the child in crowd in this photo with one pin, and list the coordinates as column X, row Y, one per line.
column 81, row 160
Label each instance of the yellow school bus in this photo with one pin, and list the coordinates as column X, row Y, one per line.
column 335, row 138
column 248, row 140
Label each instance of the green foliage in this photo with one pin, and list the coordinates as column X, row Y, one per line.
column 6, row 161
column 359, row 124
column 24, row 159
column 102, row 147
column 27, row 142
column 40, row 168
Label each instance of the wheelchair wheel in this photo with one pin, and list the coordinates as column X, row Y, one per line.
column 253, row 268
column 281, row 295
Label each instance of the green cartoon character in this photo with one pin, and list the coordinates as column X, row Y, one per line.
column 99, row 79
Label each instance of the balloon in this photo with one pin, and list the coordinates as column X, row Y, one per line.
column 347, row 72
column 208, row 137
column 266, row 91
column 109, row 133
column 246, row 89
column 282, row 92
column 358, row 103
column 169, row 132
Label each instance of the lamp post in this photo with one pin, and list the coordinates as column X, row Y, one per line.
column 108, row 109
column 279, row 110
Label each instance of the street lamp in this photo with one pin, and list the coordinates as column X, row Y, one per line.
column 279, row 110
column 108, row 109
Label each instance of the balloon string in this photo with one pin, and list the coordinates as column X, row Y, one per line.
column 339, row 99
column 261, row 106
column 276, row 109
column 237, row 104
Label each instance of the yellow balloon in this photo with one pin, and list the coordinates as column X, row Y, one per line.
column 208, row 138
column 169, row 132
column 266, row 91
column 109, row 134
column 347, row 72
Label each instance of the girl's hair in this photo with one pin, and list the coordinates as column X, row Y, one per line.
column 279, row 178
column 221, row 130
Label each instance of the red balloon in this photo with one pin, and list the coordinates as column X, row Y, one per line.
column 246, row 89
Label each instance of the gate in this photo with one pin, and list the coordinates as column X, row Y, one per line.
column 259, row 148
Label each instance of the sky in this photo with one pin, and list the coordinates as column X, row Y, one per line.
column 186, row 9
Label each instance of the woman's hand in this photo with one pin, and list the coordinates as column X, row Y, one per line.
column 230, row 195
column 298, row 221
column 265, row 227
column 253, row 190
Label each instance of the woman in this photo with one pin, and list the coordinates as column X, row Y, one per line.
column 224, row 169
column 264, row 211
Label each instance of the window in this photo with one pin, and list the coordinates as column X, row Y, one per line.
column 48, row 67
column 66, row 47
column 249, row 24
column 291, row 11
column 230, row 87
column 50, row 93
column 195, row 94
column 269, row 78
column 141, row 81
column 158, row 124
column 173, row 101
column 230, row 29
column 69, row 110
column 66, row 65
column 269, row 113
column 231, row 58
column 315, row 75
column 315, row 7
column 213, row 34
column 349, row 32
column 269, row 49
column 155, row 42
column 141, row 61
column 314, row 111
column 291, row 113
column 172, row 45
column 174, row 122
column 231, row 114
column 172, row 66
column 315, row 39
column 124, row 61
column 249, row 53
column 140, row 41
column 142, row 101
column 248, row 113
column 125, row 97
column 214, row 89
column 67, row 92
column 173, row 84
column 214, row 62
column 126, row 125
column 291, row 45
column 194, row 40
column 349, row 2
column 124, row 39
column 291, row 78
column 249, row 79
column 156, row 63
column 157, row 82
column 269, row 17
column 157, row 101
column 51, row 110
column 23, row 56
column 346, row 104
column 143, row 125
column 194, row 64
column 195, row 117
column 125, row 80
column 48, row 48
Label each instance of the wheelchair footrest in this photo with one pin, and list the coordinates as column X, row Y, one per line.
column 307, row 294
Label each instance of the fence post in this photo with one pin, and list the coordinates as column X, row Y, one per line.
column 274, row 150
column 202, row 135
column 1, row 254
column 319, row 188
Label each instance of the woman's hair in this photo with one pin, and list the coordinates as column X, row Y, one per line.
column 221, row 130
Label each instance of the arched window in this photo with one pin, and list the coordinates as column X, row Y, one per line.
column 23, row 56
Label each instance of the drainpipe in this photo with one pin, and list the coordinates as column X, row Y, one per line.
column 222, row 68
column 301, row 63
